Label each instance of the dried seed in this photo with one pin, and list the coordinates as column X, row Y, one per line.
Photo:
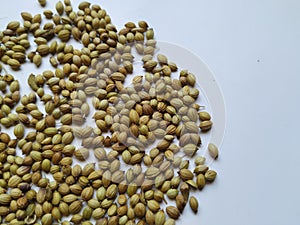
column 210, row 175
column 204, row 116
column 87, row 193
column 180, row 202
column 37, row 60
column 213, row 150
column 194, row 204
column 172, row 193
column 205, row 125
column 160, row 218
column 173, row 212
column 59, row 7
column 26, row 16
column 140, row 210
column 47, row 219
column 190, row 149
column 162, row 59
column 84, row 5
column 19, row 131
column 42, row 2
column 14, row 64
column 199, row 160
column 153, row 205
column 5, row 199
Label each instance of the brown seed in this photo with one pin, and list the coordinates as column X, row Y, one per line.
column 190, row 149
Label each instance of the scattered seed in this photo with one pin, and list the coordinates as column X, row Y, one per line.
column 128, row 120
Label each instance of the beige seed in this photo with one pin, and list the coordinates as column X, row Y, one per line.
column 162, row 59
column 213, row 150
column 199, row 160
column 190, row 149
column 170, row 222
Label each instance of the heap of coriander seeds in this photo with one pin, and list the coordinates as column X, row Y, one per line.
column 132, row 163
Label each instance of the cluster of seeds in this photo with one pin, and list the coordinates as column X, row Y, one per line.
column 141, row 138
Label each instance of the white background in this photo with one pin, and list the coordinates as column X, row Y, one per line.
column 253, row 49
